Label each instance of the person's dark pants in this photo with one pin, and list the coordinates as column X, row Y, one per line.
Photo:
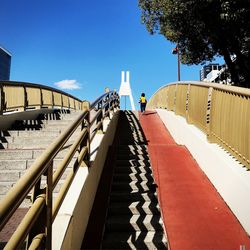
column 143, row 107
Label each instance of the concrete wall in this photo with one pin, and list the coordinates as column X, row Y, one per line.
column 72, row 219
column 228, row 176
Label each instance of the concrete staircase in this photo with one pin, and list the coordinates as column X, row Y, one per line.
column 133, row 219
column 25, row 141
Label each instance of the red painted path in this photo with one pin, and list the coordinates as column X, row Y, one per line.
column 194, row 214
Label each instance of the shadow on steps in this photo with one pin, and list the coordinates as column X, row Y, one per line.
column 126, row 213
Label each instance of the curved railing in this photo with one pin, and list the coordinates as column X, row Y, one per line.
column 20, row 96
column 37, row 223
column 221, row 111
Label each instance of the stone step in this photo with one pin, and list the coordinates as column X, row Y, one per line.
column 60, row 155
column 129, row 156
column 141, row 186
column 19, row 154
column 31, row 133
column 56, row 126
column 129, row 170
column 22, row 165
column 135, row 240
column 13, row 165
column 34, row 139
column 10, row 176
column 16, row 154
column 30, row 145
column 62, row 122
column 133, row 151
column 137, row 207
column 5, row 187
column 35, row 145
column 136, row 222
column 133, row 177
column 132, row 147
column 133, row 163
column 133, row 196
column 55, row 162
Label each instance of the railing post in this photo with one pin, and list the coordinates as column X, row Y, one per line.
column 86, row 123
column 53, row 99
column 41, row 97
column 1, row 99
column 208, row 114
column 25, row 104
column 101, row 117
column 43, row 225
column 49, row 199
column 187, row 103
column 175, row 94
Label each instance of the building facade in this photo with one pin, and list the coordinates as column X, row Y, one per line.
column 5, row 64
column 208, row 69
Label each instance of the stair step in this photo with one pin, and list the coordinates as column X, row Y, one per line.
column 133, row 162
column 34, row 144
column 34, row 139
column 141, row 186
column 135, row 240
column 25, row 145
column 5, row 187
column 19, row 154
column 133, row 177
column 129, row 156
column 15, row 154
column 133, row 196
column 62, row 122
column 32, row 133
column 132, row 147
column 9, row 176
column 56, row 126
column 137, row 207
column 132, row 151
column 136, row 222
column 13, row 165
column 129, row 170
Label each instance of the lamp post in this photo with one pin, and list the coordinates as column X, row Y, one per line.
column 176, row 51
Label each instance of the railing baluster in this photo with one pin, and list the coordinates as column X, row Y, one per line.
column 1, row 99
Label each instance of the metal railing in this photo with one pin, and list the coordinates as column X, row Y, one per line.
column 20, row 96
column 221, row 111
column 36, row 227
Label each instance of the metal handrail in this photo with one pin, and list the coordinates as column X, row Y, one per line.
column 43, row 165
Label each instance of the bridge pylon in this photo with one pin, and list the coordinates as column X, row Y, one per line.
column 125, row 89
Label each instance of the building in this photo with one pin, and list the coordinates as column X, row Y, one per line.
column 215, row 73
column 209, row 71
column 5, row 63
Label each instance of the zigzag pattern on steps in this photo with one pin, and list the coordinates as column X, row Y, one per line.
column 133, row 219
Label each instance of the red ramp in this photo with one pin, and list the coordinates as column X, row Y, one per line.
column 194, row 214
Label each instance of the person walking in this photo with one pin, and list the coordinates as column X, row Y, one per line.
column 143, row 102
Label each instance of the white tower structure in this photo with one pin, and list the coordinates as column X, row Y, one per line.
column 125, row 89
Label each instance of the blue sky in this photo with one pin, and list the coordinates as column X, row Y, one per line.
column 87, row 43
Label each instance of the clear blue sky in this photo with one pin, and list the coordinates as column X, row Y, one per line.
column 88, row 43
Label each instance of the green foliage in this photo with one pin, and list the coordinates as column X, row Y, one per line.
column 203, row 29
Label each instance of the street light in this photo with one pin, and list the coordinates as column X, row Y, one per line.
column 176, row 51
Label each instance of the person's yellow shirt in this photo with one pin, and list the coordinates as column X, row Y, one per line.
column 143, row 99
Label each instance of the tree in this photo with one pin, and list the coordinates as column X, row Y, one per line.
column 203, row 29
